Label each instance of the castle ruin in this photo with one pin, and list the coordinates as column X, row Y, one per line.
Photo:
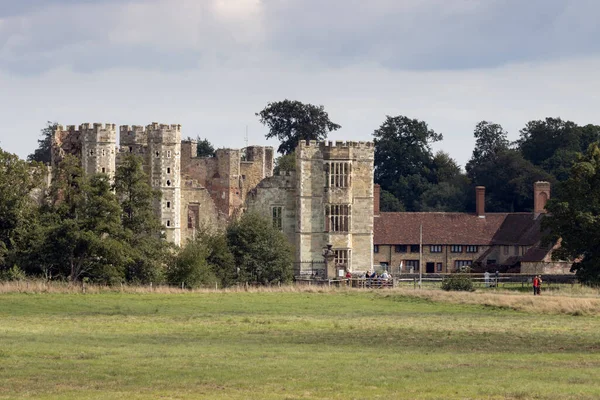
column 328, row 199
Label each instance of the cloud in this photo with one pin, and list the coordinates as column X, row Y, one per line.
column 178, row 35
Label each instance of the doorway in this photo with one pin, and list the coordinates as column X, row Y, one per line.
column 430, row 268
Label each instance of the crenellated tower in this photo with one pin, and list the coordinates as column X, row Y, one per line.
column 98, row 148
column 164, row 161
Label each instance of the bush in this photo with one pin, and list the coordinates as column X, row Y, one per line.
column 458, row 282
column 191, row 268
column 13, row 274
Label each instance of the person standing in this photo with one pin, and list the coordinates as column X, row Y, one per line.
column 539, row 286
column 536, row 285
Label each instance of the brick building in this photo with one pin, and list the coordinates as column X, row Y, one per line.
column 455, row 240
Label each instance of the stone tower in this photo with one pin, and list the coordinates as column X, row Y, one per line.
column 164, row 156
column 335, row 202
column 98, row 148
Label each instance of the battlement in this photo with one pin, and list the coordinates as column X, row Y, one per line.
column 132, row 135
column 163, row 133
column 97, row 127
column 336, row 144
column 155, row 126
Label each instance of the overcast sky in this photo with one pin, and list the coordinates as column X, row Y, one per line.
column 210, row 65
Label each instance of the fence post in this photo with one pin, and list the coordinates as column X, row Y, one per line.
column 415, row 283
column 181, row 285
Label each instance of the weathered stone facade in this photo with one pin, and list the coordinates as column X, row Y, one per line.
column 327, row 200
column 197, row 193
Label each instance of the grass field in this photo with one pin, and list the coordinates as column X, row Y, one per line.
column 290, row 345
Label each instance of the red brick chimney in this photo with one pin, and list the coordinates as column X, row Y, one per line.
column 480, row 201
column 541, row 195
column 376, row 197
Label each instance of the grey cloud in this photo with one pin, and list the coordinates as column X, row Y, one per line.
column 433, row 35
column 398, row 35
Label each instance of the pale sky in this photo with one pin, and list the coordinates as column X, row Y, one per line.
column 210, row 65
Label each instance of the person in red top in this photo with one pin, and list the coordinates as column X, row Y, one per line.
column 536, row 285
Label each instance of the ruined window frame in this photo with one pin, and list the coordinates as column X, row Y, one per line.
column 338, row 174
column 338, row 218
column 277, row 217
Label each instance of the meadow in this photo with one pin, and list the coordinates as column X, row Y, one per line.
column 298, row 344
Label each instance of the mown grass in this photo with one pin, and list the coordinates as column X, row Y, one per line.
column 290, row 345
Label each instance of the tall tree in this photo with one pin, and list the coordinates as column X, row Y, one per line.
column 490, row 140
column 262, row 253
column 293, row 121
column 509, row 180
column 18, row 179
column 575, row 217
column 554, row 144
column 86, row 234
column 43, row 153
column 403, row 158
column 142, row 228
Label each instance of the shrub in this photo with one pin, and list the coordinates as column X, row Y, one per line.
column 13, row 274
column 458, row 282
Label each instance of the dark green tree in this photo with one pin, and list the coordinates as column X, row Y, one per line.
column 286, row 162
column 19, row 181
column 508, row 179
column 204, row 148
column 191, row 268
column 43, row 153
column 404, row 158
column 554, row 144
column 142, row 228
column 261, row 252
column 293, row 121
column 85, row 234
column 490, row 140
column 575, row 217
column 219, row 256
column 389, row 203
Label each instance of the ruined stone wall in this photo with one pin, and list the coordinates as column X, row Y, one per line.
column 65, row 141
column 275, row 197
column 198, row 211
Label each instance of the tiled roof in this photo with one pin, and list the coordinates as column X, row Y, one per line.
column 536, row 254
column 456, row 228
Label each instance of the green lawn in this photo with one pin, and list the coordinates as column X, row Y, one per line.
column 288, row 345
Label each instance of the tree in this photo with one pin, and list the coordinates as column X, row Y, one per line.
column 508, row 179
column 191, row 268
column 204, row 148
column 404, row 158
column 18, row 179
column 43, row 153
column 554, row 144
column 261, row 252
column 575, row 217
column 85, row 232
column 293, row 121
column 286, row 162
column 389, row 203
column 142, row 228
column 490, row 140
